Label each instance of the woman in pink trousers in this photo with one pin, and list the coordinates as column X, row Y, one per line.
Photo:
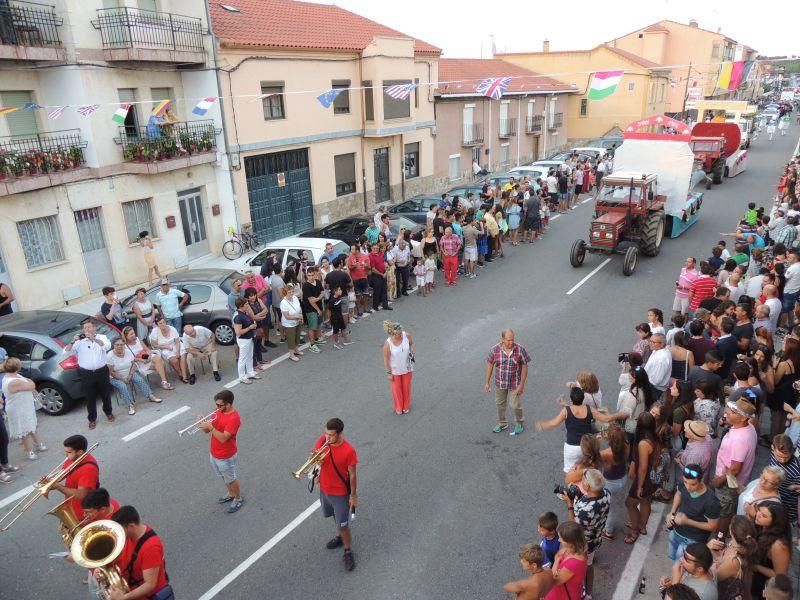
column 398, row 358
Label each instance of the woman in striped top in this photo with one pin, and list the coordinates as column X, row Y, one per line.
column 784, row 456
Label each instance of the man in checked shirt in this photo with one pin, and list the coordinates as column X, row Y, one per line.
column 510, row 364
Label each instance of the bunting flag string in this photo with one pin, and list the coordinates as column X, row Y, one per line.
column 30, row 106
column 201, row 108
column 160, row 108
column 493, row 87
column 87, row 109
column 327, row 98
column 56, row 112
column 121, row 114
column 8, row 109
column 402, row 91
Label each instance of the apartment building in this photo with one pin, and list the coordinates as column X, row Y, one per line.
column 298, row 164
column 526, row 124
column 76, row 187
column 640, row 93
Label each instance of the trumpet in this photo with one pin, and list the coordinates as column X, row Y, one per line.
column 313, row 462
column 195, row 427
column 42, row 487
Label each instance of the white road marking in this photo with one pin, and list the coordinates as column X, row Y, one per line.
column 631, row 575
column 589, row 199
column 585, row 279
column 154, row 424
column 554, row 217
column 16, row 496
column 253, row 558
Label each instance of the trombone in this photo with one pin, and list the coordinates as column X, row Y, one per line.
column 42, row 487
column 313, row 462
column 195, row 427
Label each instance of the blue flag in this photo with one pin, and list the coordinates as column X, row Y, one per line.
column 327, row 98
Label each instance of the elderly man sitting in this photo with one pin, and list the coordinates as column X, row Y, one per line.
column 199, row 343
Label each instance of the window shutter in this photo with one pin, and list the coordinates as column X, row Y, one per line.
column 20, row 122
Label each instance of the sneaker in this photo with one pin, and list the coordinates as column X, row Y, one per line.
column 235, row 505
column 131, row 410
column 371, row 310
column 334, row 543
column 518, row 429
column 41, row 448
column 154, row 400
column 347, row 343
column 5, row 478
column 321, row 341
column 254, row 376
column 387, row 308
column 314, row 348
column 349, row 560
column 167, row 385
column 9, row 469
column 245, row 381
column 32, row 455
column 293, row 358
column 224, row 499
column 192, row 379
column 272, row 345
column 338, row 347
column 354, row 318
column 499, row 428
column 299, row 353
column 217, row 376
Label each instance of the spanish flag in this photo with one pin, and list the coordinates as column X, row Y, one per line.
column 160, row 108
column 10, row 109
column 725, row 75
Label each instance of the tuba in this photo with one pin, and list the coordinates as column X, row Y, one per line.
column 96, row 546
column 69, row 521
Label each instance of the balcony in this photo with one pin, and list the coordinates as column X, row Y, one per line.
column 508, row 128
column 131, row 34
column 156, row 149
column 29, row 31
column 556, row 121
column 473, row 135
column 41, row 160
column 534, row 124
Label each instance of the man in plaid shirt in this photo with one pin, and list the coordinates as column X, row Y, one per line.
column 510, row 364
column 450, row 243
column 788, row 234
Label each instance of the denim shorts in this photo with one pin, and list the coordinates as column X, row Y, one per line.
column 677, row 544
column 225, row 467
column 361, row 287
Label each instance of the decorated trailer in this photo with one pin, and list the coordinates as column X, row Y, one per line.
column 732, row 159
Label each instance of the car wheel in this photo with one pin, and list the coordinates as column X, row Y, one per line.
column 223, row 331
column 55, row 400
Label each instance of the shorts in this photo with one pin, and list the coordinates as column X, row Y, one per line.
column 313, row 320
column 361, row 287
column 680, row 305
column 337, row 323
column 728, row 500
column 420, row 280
column 677, row 544
column 337, row 507
column 788, row 301
column 471, row 253
column 225, row 467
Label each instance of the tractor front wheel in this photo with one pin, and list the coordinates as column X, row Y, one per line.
column 653, row 233
column 577, row 253
column 719, row 171
column 631, row 258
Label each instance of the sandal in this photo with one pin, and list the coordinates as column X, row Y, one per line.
column 167, row 385
column 608, row 535
column 631, row 539
column 643, row 531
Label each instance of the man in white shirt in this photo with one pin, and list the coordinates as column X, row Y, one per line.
column 774, row 303
column 756, row 283
column 379, row 214
column 791, row 289
column 600, row 171
column 199, row 342
column 659, row 365
column 552, row 183
column 430, row 215
column 90, row 350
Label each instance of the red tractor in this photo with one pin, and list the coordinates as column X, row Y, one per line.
column 712, row 144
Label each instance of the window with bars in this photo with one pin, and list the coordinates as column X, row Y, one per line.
column 411, row 160
column 341, row 104
column 41, row 241
column 138, row 215
column 273, row 104
column 344, row 166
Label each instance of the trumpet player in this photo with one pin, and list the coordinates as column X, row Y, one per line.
column 224, row 453
column 337, row 486
column 82, row 480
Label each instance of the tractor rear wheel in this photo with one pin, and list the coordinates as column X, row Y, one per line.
column 719, row 171
column 577, row 253
column 653, row 233
column 629, row 263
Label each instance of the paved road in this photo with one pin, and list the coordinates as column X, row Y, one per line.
column 444, row 502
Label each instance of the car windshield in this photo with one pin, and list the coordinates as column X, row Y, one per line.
column 227, row 284
column 65, row 337
column 340, row 248
column 704, row 146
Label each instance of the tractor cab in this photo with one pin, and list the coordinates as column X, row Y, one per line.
column 623, row 189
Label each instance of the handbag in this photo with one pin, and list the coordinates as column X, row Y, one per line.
column 37, row 400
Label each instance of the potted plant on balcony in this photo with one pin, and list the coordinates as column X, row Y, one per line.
column 76, row 156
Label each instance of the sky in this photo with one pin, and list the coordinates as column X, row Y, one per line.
column 462, row 28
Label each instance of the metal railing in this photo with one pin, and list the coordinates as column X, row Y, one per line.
column 556, row 120
column 39, row 153
column 508, row 128
column 167, row 140
column 126, row 27
column 29, row 24
column 473, row 134
column 534, row 124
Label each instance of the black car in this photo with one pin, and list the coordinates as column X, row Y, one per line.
column 37, row 338
column 351, row 228
column 414, row 208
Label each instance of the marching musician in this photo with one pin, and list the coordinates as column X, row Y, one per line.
column 82, row 480
column 224, row 453
column 97, row 505
column 337, row 486
column 142, row 560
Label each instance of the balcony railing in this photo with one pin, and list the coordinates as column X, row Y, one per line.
column 29, row 24
column 163, row 142
column 534, row 124
column 473, row 134
column 126, row 27
column 41, row 153
column 508, row 128
column 556, row 120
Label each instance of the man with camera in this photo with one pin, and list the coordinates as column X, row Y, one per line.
column 90, row 348
column 588, row 504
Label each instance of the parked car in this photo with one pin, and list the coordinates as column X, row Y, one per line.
column 610, row 143
column 594, row 152
column 567, row 154
column 552, row 163
column 37, row 338
column 288, row 249
column 467, row 188
column 208, row 289
column 351, row 228
column 414, row 208
column 532, row 171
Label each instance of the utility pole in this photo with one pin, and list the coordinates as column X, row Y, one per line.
column 686, row 92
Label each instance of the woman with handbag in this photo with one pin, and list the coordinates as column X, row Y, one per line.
column 20, row 407
column 398, row 358
column 146, row 361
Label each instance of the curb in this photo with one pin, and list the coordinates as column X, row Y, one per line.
column 628, row 586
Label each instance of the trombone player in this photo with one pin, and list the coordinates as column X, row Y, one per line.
column 83, row 479
column 224, row 452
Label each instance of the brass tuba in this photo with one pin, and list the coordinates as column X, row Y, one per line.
column 96, row 546
column 69, row 521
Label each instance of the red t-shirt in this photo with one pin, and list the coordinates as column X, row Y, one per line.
column 376, row 262
column 229, row 422
column 345, row 456
column 358, row 266
column 86, row 475
column 151, row 555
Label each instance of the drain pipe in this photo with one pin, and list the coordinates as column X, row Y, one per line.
column 364, row 127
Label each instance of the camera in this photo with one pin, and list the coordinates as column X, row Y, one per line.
column 81, row 337
column 145, row 356
column 624, row 357
column 570, row 491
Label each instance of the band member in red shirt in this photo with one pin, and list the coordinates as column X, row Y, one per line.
column 85, row 477
column 224, row 453
column 337, row 486
column 142, row 560
column 97, row 505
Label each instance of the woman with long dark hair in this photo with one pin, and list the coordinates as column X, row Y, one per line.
column 642, row 346
column 646, row 449
column 615, row 470
column 638, row 398
column 786, row 374
column 774, row 545
column 734, row 560
column 682, row 357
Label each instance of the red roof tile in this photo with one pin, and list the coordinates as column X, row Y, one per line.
column 633, row 57
column 469, row 72
column 302, row 25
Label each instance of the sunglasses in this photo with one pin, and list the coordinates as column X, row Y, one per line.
column 219, row 405
column 688, row 558
column 691, row 472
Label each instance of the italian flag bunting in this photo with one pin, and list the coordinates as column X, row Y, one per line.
column 122, row 112
column 604, row 83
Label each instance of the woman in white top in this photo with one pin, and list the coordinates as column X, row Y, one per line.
column 145, row 316
column 165, row 340
column 291, row 318
column 634, row 398
column 398, row 358
column 20, row 408
column 655, row 318
column 146, row 361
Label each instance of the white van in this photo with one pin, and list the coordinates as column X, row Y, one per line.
column 289, row 248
